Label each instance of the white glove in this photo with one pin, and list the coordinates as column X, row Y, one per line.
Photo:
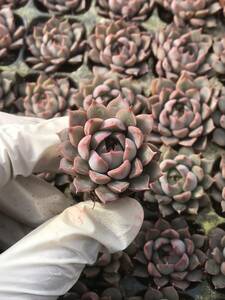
column 48, row 261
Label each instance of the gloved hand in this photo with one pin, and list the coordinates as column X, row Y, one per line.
column 48, row 261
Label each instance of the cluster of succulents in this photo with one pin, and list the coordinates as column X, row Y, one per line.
column 121, row 46
column 54, row 43
column 135, row 10
column 186, row 178
column 143, row 85
column 48, row 97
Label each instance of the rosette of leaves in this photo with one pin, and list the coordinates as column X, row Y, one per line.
column 11, row 36
column 111, row 91
column 64, row 6
column 218, row 190
column 182, row 110
column 199, row 13
column 48, row 97
column 178, row 50
column 170, row 254
column 219, row 121
column 55, row 43
column 109, row 268
column 217, row 58
column 108, row 153
column 135, row 10
column 120, row 46
column 183, row 186
column 166, row 293
column 215, row 265
column 8, row 91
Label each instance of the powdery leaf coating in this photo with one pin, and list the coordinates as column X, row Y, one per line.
column 54, row 43
column 182, row 110
column 11, row 36
column 215, row 265
column 109, row 154
column 198, row 13
column 48, row 97
column 112, row 92
column 135, row 10
column 218, row 190
column 183, row 186
column 120, row 46
column 169, row 254
column 178, row 50
column 65, row 6
column 8, row 92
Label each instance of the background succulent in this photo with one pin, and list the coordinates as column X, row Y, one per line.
column 200, row 13
column 120, row 46
column 64, row 6
column 135, row 10
column 219, row 121
column 217, row 58
column 183, row 186
column 182, row 111
column 12, row 3
column 111, row 91
column 218, row 190
column 8, row 91
column 48, row 97
column 178, row 50
column 54, row 43
column 166, row 293
column 215, row 265
column 108, row 153
column 11, row 36
column 170, row 253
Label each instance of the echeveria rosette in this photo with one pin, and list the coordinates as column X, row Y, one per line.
column 130, row 10
column 182, row 111
column 8, row 91
column 120, row 46
column 198, row 13
column 218, row 190
column 166, row 293
column 215, row 265
column 108, row 153
column 55, row 43
column 111, row 92
column 48, row 97
column 170, row 254
column 219, row 121
column 217, row 58
column 11, row 36
column 66, row 6
column 184, row 184
column 178, row 50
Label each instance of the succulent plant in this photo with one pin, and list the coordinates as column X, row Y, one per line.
column 217, row 58
column 199, row 13
column 219, row 120
column 182, row 111
column 48, row 97
column 111, row 91
column 218, row 190
column 11, row 36
column 183, row 186
column 178, row 50
column 166, row 293
column 55, row 43
column 108, row 153
column 12, row 3
column 170, row 254
column 120, row 46
column 135, row 10
column 8, row 91
column 109, row 268
column 64, row 6
column 215, row 265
